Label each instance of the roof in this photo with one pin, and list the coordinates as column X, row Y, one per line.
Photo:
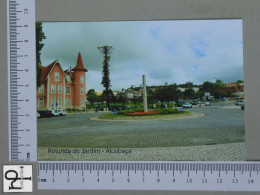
column 68, row 71
column 47, row 69
column 231, row 85
column 79, row 65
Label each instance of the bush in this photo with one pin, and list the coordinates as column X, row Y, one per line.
column 125, row 111
column 167, row 110
column 138, row 110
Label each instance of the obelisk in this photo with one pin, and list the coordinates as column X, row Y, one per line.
column 144, row 94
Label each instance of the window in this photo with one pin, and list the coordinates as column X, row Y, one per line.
column 67, row 89
column 60, row 102
column 41, row 89
column 82, row 101
column 56, row 75
column 53, row 102
column 59, row 88
column 67, row 101
column 40, row 101
column 53, row 88
column 81, row 79
column 68, row 78
column 82, row 90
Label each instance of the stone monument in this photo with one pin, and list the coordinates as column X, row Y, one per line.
column 144, row 94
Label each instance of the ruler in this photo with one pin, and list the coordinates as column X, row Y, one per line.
column 21, row 80
column 217, row 176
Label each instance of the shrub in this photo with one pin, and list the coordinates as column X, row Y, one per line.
column 138, row 110
column 167, row 110
column 125, row 111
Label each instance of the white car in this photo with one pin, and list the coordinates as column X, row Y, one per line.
column 187, row 105
column 239, row 103
column 61, row 112
column 207, row 104
column 55, row 113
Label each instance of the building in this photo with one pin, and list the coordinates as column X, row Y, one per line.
column 129, row 94
column 62, row 89
column 235, row 88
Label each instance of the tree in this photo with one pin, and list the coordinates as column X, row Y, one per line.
column 189, row 93
column 106, row 50
column 92, row 96
column 207, row 86
column 39, row 45
column 121, row 98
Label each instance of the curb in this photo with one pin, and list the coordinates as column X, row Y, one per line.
column 191, row 115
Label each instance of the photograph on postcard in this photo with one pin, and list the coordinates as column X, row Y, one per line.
column 166, row 90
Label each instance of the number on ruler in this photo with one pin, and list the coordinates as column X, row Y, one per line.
column 26, row 11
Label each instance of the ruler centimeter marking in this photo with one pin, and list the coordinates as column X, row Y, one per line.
column 21, row 80
column 216, row 176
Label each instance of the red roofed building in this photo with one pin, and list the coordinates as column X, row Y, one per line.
column 62, row 89
column 235, row 88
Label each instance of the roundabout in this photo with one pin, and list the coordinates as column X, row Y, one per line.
column 148, row 117
column 195, row 136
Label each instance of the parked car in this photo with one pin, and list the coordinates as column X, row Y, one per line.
column 243, row 106
column 46, row 113
column 207, row 104
column 194, row 102
column 179, row 103
column 55, row 113
column 38, row 115
column 186, row 105
column 239, row 103
column 61, row 112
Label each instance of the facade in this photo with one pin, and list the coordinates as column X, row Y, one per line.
column 62, row 89
column 235, row 88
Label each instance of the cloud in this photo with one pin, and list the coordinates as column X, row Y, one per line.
column 166, row 51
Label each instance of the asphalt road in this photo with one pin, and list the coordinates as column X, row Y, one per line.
column 229, row 116
column 218, row 136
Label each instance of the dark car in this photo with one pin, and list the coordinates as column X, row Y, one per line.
column 45, row 113
column 195, row 102
column 243, row 106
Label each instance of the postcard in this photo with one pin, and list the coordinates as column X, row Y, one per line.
column 164, row 90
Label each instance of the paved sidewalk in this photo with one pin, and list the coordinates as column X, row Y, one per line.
column 221, row 152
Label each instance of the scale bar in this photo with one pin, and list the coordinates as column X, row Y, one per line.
column 203, row 176
column 21, row 26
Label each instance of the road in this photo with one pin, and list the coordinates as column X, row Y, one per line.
column 215, row 117
column 219, row 135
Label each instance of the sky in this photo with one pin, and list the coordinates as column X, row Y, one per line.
column 169, row 51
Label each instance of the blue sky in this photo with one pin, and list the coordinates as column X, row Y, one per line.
column 165, row 51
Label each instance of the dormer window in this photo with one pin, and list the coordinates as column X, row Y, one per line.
column 68, row 78
column 56, row 76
